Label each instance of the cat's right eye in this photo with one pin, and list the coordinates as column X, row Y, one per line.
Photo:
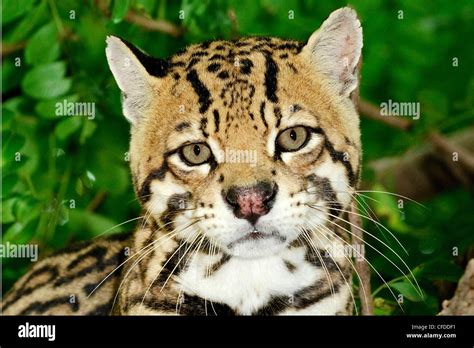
column 195, row 154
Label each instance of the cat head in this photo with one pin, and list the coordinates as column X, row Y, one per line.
column 245, row 143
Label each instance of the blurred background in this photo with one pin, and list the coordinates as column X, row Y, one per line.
column 66, row 179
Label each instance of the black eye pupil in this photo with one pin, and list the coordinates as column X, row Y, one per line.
column 293, row 135
column 197, row 150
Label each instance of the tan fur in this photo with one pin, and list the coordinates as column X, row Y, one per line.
column 256, row 88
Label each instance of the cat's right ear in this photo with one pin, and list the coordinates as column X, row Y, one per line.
column 131, row 76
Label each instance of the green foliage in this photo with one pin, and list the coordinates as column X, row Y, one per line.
column 66, row 178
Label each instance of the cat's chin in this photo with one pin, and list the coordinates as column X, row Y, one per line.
column 257, row 245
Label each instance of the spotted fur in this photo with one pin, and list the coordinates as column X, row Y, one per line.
column 193, row 254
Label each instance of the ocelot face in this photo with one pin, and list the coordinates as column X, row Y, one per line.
column 244, row 145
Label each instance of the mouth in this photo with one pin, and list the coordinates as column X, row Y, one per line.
column 255, row 236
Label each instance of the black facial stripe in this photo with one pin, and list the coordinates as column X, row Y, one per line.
column 201, row 90
column 181, row 126
column 179, row 201
column 338, row 156
column 262, row 114
column 292, row 67
column 327, row 193
column 204, row 126
column 154, row 66
column 159, row 174
column 271, row 80
column 216, row 119
column 175, row 204
column 278, row 116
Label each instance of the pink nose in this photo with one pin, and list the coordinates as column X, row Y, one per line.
column 251, row 203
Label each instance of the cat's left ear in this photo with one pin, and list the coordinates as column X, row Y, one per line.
column 335, row 50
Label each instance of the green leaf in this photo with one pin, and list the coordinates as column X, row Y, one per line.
column 11, row 74
column 119, row 10
column 67, row 127
column 7, row 117
column 12, row 232
column 7, row 210
column 88, row 129
column 91, row 223
column 34, row 18
column 46, row 81
column 12, row 9
column 439, row 270
column 88, row 179
column 382, row 307
column 12, row 143
column 79, row 187
column 44, row 46
column 26, row 210
column 63, row 214
column 9, row 182
column 20, row 233
column 408, row 291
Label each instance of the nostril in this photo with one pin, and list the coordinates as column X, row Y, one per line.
column 231, row 197
column 270, row 194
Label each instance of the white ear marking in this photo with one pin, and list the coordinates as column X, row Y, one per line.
column 335, row 49
column 131, row 77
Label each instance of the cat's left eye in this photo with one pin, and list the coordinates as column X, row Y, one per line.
column 293, row 139
column 195, row 154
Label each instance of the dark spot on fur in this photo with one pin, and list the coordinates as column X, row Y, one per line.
column 290, row 266
column 246, row 66
column 223, row 75
column 181, row 126
column 213, row 67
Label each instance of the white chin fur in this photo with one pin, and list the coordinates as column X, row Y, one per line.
column 253, row 249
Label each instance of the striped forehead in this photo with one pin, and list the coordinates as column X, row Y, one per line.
column 226, row 76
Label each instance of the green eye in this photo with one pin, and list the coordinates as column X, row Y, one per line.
column 293, row 139
column 196, row 154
